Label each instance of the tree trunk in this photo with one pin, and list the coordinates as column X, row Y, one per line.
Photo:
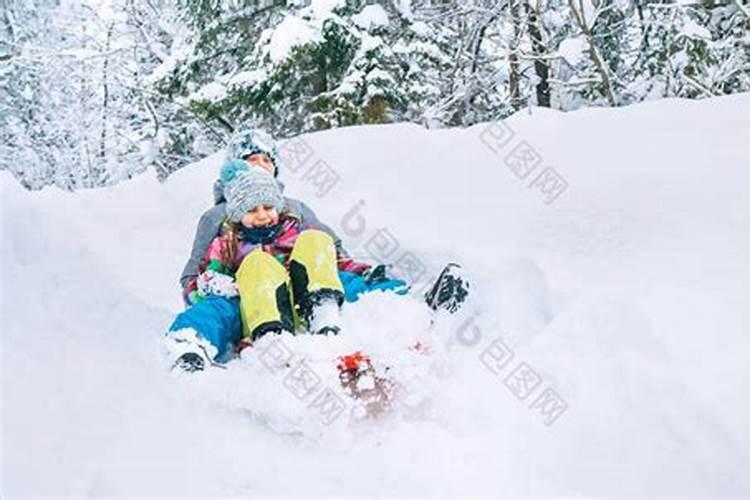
column 105, row 103
column 514, row 86
column 478, row 43
column 742, row 8
column 540, row 52
column 596, row 57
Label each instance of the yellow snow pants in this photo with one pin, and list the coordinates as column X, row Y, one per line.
column 272, row 297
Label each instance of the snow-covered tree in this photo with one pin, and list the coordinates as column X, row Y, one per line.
column 323, row 65
column 95, row 91
column 692, row 50
column 73, row 108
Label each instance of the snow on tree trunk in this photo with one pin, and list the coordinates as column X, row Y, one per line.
column 585, row 14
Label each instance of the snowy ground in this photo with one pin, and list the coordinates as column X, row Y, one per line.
column 626, row 298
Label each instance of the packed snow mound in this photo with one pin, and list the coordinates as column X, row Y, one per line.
column 603, row 351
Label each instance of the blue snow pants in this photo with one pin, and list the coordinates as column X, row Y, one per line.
column 355, row 285
column 217, row 318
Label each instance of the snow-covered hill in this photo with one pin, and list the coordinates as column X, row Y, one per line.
column 624, row 301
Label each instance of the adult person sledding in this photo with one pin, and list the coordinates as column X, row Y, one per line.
column 258, row 149
column 257, row 275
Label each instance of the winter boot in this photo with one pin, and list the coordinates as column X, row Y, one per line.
column 190, row 362
column 449, row 291
column 187, row 351
column 245, row 346
column 324, row 316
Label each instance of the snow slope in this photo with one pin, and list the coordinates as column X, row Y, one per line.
column 627, row 296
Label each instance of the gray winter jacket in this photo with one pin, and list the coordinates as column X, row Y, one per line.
column 209, row 227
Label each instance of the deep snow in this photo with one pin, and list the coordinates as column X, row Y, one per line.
column 627, row 296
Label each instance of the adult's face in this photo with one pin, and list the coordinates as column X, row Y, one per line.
column 261, row 160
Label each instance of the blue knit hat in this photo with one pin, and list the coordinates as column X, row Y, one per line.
column 247, row 187
column 246, row 142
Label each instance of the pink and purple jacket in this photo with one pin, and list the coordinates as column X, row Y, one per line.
column 281, row 248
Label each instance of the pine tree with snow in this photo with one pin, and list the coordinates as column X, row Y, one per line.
column 692, row 50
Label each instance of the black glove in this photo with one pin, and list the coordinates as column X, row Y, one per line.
column 376, row 274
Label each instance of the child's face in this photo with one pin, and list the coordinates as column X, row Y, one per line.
column 261, row 216
column 260, row 160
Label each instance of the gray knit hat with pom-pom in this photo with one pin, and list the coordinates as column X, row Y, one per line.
column 247, row 187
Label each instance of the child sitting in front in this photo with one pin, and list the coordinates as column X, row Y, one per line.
column 284, row 275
